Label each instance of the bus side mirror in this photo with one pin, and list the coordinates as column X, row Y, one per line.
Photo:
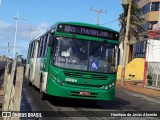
column 51, row 40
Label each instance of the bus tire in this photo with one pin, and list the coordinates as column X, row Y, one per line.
column 43, row 96
column 29, row 84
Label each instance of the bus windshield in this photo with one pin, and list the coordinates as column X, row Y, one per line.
column 84, row 55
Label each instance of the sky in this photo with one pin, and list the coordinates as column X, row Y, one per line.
column 41, row 14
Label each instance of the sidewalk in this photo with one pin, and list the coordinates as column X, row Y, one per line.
column 138, row 88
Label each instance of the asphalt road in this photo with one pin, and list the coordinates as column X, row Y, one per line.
column 77, row 109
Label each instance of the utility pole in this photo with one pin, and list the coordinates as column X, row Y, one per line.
column 98, row 13
column 15, row 37
column 0, row 2
column 8, row 50
column 31, row 30
column 126, row 41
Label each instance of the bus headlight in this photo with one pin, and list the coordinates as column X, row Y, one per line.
column 109, row 86
column 106, row 87
column 113, row 84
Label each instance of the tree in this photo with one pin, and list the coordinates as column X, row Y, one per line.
column 130, row 28
column 135, row 22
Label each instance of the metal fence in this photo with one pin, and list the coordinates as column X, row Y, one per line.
column 154, row 72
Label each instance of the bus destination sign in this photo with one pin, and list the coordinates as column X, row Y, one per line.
column 93, row 32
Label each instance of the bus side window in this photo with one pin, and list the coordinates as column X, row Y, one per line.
column 43, row 42
column 47, row 42
column 30, row 54
column 29, row 49
column 53, row 43
column 39, row 42
column 40, row 47
column 33, row 47
column 50, row 40
column 44, row 45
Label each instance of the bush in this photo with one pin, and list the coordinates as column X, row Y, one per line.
column 149, row 77
column 149, row 80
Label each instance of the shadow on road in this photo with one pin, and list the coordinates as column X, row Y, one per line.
column 25, row 106
column 116, row 104
column 80, row 103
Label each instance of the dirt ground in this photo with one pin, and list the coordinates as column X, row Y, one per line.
column 138, row 88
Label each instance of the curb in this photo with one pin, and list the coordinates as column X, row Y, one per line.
column 151, row 87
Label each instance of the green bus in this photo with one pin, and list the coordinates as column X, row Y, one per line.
column 74, row 60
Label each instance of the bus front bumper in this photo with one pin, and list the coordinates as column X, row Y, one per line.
column 55, row 89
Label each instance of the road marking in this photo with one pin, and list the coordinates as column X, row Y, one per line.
column 143, row 97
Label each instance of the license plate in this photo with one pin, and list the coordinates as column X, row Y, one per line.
column 84, row 93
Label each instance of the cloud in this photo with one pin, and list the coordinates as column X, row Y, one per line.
column 39, row 30
column 4, row 24
column 7, row 34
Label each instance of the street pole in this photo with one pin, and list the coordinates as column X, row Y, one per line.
column 15, row 36
column 98, row 13
column 8, row 50
column 125, row 43
column 0, row 2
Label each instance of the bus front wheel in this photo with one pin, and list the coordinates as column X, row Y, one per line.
column 43, row 95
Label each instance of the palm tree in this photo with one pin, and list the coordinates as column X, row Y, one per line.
column 135, row 22
column 133, row 32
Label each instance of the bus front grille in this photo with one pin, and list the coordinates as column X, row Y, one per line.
column 70, row 84
column 85, row 75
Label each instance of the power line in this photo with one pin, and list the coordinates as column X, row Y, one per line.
column 109, row 22
column 116, row 20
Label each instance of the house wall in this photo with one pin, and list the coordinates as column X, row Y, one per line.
column 134, row 70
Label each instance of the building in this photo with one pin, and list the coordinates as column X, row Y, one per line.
column 136, row 51
column 149, row 11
